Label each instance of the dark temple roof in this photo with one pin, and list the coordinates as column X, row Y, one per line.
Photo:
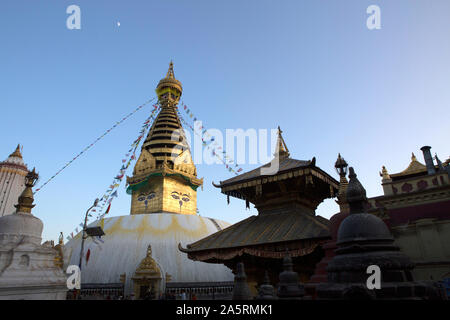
column 285, row 164
column 265, row 229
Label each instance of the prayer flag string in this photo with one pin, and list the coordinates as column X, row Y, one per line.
column 93, row 143
column 112, row 191
column 209, row 142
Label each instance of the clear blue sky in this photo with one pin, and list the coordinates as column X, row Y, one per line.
column 311, row 67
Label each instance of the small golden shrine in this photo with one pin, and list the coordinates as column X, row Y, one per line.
column 147, row 278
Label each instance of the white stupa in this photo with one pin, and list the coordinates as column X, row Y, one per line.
column 143, row 246
column 28, row 269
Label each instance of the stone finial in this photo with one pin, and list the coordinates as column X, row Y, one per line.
column 356, row 194
column 289, row 286
column 439, row 162
column 241, row 290
column 266, row 291
column 341, row 166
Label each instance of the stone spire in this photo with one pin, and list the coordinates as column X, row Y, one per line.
column 281, row 150
column 439, row 163
column 266, row 291
column 356, row 194
column 241, row 291
column 341, row 168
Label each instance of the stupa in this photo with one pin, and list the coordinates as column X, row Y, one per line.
column 163, row 214
column 28, row 269
column 363, row 241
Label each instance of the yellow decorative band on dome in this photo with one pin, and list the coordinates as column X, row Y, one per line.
column 160, row 92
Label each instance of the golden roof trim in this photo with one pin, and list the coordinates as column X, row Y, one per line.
column 164, row 171
column 413, row 167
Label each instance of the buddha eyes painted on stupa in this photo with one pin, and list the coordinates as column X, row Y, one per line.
column 181, row 197
column 148, row 196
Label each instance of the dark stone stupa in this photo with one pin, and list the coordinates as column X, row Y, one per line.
column 289, row 286
column 241, row 290
column 365, row 240
column 266, row 291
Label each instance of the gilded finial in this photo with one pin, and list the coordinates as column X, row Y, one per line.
column 281, row 151
column 25, row 203
column 384, row 173
column 170, row 74
column 413, row 157
column 169, row 89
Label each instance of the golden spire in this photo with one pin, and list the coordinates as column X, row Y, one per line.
column 164, row 159
column 169, row 89
column 16, row 153
column 26, row 198
column 413, row 157
column 170, row 74
column 281, row 150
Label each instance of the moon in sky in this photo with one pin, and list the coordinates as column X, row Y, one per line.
column 118, row 24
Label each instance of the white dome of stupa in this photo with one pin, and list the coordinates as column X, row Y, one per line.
column 125, row 245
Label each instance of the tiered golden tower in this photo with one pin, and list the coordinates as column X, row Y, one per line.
column 165, row 177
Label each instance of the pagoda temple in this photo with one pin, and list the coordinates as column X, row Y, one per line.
column 286, row 200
